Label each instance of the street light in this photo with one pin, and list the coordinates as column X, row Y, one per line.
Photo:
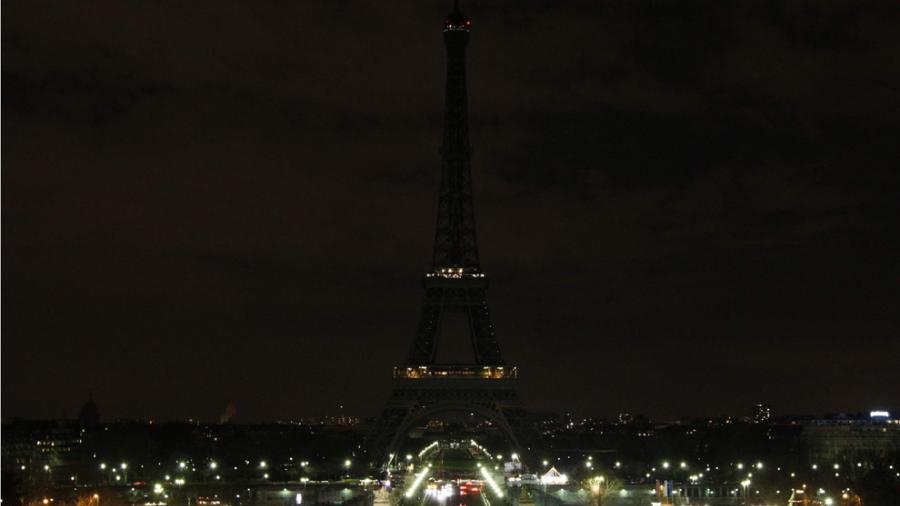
column 746, row 485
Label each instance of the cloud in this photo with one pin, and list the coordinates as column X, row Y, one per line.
column 258, row 181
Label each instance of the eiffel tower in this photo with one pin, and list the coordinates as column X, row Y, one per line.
column 455, row 291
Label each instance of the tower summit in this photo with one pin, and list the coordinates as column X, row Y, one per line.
column 455, row 246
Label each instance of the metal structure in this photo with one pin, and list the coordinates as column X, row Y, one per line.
column 454, row 288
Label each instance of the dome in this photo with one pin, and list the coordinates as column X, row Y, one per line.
column 89, row 416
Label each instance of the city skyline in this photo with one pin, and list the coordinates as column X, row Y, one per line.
column 244, row 220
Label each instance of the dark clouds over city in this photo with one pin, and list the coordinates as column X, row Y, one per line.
column 684, row 207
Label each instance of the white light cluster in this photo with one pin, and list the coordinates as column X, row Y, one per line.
column 454, row 273
column 441, row 494
column 415, row 484
column 490, row 479
column 427, row 448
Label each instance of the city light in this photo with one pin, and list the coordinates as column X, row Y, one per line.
column 427, row 448
column 416, row 482
column 491, row 482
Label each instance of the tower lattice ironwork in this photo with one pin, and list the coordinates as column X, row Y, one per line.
column 454, row 288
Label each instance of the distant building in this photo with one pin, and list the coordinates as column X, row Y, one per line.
column 89, row 416
column 53, row 447
column 859, row 437
column 762, row 413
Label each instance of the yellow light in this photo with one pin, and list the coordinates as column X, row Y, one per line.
column 491, row 482
column 416, row 483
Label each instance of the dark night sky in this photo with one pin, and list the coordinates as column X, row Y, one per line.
column 685, row 208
